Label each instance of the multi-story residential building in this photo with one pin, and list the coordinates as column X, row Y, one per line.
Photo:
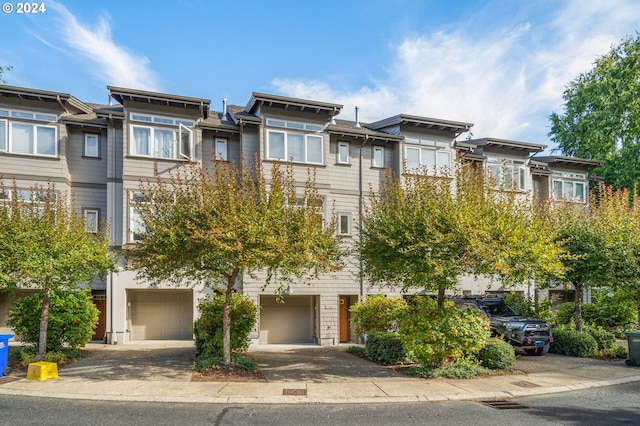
column 102, row 152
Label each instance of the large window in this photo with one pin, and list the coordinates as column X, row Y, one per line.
column 434, row 161
column 26, row 137
column 508, row 174
column 173, row 141
column 569, row 186
column 303, row 145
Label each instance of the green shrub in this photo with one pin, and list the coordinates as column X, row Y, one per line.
column 206, row 362
column 357, row 351
column 497, row 354
column 463, row 368
column 28, row 354
column 385, row 348
column 436, row 336
column 613, row 313
column 208, row 328
column 573, row 343
column 377, row 314
column 604, row 339
column 72, row 319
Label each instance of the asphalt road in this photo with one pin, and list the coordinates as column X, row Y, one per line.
column 615, row 405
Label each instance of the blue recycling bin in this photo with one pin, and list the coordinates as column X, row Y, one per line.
column 4, row 352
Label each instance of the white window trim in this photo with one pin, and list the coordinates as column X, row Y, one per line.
column 373, row 157
column 224, row 152
column 572, row 182
column 87, row 136
column 286, row 146
column 439, row 169
column 132, row 195
column 94, row 228
column 34, row 141
column 178, row 153
column 518, row 166
column 5, row 136
column 348, row 231
column 348, row 159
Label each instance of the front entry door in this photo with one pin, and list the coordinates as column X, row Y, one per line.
column 344, row 319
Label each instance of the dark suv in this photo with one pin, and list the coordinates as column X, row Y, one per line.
column 531, row 334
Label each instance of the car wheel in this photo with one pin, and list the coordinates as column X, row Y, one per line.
column 539, row 352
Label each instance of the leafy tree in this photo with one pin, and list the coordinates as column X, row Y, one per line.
column 4, row 69
column 44, row 245
column 212, row 225
column 601, row 117
column 72, row 319
column 425, row 231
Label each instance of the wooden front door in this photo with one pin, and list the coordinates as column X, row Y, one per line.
column 100, row 301
column 344, row 319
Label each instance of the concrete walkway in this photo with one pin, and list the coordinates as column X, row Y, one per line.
column 161, row 371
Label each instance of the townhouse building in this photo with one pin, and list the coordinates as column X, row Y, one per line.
column 101, row 153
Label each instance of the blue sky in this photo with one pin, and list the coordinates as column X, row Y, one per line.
column 502, row 65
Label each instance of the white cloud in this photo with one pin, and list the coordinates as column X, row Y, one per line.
column 112, row 63
column 505, row 80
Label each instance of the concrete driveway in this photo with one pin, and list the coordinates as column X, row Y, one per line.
column 312, row 363
column 145, row 360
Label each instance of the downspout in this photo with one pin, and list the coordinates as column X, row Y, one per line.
column 114, row 335
column 360, row 211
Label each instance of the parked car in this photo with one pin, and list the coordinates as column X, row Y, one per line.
column 531, row 334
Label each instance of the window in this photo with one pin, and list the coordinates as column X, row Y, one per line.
column 300, row 145
column 508, row 174
column 297, row 147
column 91, row 146
column 35, row 198
column 344, row 224
column 569, row 187
column 91, row 217
column 157, row 142
column 435, row 161
column 24, row 137
column 136, row 226
column 221, row 149
column 378, row 156
column 343, row 152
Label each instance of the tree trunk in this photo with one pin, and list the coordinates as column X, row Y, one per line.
column 578, row 305
column 638, row 326
column 226, row 324
column 440, row 296
column 44, row 323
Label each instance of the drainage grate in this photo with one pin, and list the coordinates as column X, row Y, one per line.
column 502, row 404
column 525, row 384
column 294, row 392
column 8, row 379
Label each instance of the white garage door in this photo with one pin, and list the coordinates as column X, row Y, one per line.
column 288, row 322
column 161, row 314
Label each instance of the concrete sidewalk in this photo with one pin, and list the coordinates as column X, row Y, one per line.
column 300, row 374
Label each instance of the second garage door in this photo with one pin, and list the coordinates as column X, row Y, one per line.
column 288, row 322
column 161, row 314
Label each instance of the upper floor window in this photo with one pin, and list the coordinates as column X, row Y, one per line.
column 569, row 186
column 91, row 217
column 300, row 145
column 221, row 152
column 136, row 225
column 344, row 224
column 162, row 142
column 91, row 145
column 38, row 199
column 378, row 156
column 508, row 174
column 19, row 133
column 434, row 156
column 343, row 152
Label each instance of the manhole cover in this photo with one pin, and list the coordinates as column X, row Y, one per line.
column 502, row 404
column 8, row 379
column 294, row 392
column 525, row 384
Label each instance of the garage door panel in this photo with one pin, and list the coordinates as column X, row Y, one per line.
column 161, row 314
column 288, row 322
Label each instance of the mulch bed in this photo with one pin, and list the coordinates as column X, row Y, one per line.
column 230, row 373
